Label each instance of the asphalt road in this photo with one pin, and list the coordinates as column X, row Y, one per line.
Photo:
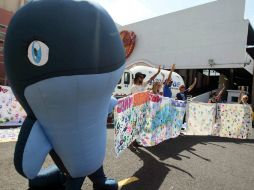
column 187, row 162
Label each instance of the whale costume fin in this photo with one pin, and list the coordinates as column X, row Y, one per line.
column 31, row 150
column 112, row 103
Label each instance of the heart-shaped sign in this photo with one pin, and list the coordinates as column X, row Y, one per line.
column 129, row 40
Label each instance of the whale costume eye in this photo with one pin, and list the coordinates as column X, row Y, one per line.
column 38, row 53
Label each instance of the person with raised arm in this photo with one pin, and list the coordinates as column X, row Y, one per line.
column 214, row 98
column 168, row 83
column 182, row 95
column 139, row 84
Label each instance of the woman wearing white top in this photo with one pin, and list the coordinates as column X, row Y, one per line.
column 139, row 85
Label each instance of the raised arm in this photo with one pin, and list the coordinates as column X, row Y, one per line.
column 170, row 74
column 221, row 91
column 163, row 78
column 193, row 84
column 154, row 76
column 241, row 95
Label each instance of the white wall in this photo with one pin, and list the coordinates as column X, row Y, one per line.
column 191, row 37
column 118, row 26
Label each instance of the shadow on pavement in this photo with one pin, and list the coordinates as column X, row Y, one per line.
column 147, row 179
column 170, row 149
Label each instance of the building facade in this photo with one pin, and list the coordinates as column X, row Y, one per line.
column 7, row 9
column 212, row 42
column 5, row 17
column 213, row 37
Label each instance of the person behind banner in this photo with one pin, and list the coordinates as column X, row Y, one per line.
column 182, row 95
column 214, row 98
column 157, row 86
column 167, row 92
column 156, row 89
column 139, row 85
column 243, row 99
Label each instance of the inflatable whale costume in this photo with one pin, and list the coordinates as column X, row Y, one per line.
column 63, row 59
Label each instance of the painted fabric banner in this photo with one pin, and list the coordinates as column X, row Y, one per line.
column 164, row 120
column 147, row 118
column 9, row 135
column 234, row 121
column 11, row 112
column 125, row 124
column 201, row 118
column 224, row 120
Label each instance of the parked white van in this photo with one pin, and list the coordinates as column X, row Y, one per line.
column 124, row 86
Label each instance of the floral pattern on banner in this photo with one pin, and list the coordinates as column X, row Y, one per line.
column 148, row 118
column 164, row 121
column 9, row 135
column 235, row 121
column 224, row 120
column 201, row 118
column 11, row 112
column 176, row 111
column 125, row 124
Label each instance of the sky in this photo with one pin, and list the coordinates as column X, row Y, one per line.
column 129, row 11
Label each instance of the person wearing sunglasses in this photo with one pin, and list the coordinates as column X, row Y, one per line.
column 182, row 95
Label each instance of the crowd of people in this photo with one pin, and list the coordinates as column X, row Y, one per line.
column 163, row 87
